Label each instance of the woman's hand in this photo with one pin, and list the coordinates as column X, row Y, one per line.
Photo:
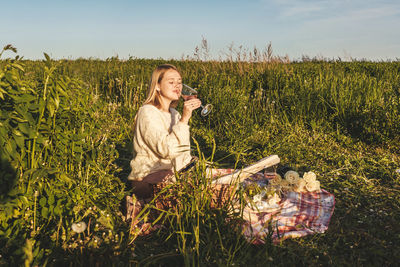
column 188, row 107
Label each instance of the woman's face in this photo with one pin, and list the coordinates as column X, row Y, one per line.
column 171, row 85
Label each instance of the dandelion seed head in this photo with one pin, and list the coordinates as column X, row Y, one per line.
column 78, row 227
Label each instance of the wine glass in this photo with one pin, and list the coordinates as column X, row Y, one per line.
column 190, row 93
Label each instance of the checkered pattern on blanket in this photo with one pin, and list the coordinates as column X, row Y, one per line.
column 299, row 214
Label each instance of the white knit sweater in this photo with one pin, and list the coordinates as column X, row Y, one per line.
column 160, row 142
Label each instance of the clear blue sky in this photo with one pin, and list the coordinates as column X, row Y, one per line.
column 169, row 29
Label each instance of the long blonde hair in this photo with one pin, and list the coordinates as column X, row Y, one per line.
column 153, row 95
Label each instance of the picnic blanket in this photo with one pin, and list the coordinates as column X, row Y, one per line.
column 296, row 215
column 299, row 214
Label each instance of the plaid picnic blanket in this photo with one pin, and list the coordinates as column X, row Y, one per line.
column 297, row 214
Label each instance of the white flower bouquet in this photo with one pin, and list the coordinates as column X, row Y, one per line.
column 293, row 182
column 267, row 197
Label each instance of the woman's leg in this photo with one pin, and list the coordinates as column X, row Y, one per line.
column 144, row 189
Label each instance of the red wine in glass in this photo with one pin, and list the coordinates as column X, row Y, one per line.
column 190, row 93
column 188, row 97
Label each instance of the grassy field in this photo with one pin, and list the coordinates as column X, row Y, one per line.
column 65, row 138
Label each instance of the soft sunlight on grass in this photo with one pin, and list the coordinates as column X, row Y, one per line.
column 65, row 134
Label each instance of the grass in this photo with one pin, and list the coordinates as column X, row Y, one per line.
column 338, row 119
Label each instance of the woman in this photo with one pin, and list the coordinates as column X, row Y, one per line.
column 161, row 140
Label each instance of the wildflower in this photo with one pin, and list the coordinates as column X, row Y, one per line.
column 313, row 186
column 292, row 177
column 78, row 227
column 309, row 177
column 398, row 171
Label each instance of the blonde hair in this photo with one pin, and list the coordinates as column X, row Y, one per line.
column 153, row 95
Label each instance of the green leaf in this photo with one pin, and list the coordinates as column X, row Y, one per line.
column 45, row 212
column 59, row 208
column 25, row 98
column 20, row 141
column 18, row 66
column 47, row 57
column 78, row 149
column 63, row 177
column 27, row 130
column 50, row 200
column 43, row 201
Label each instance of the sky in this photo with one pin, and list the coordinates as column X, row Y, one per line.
column 346, row 29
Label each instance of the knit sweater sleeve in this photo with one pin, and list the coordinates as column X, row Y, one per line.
column 165, row 144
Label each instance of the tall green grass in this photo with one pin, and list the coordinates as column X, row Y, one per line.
column 65, row 140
